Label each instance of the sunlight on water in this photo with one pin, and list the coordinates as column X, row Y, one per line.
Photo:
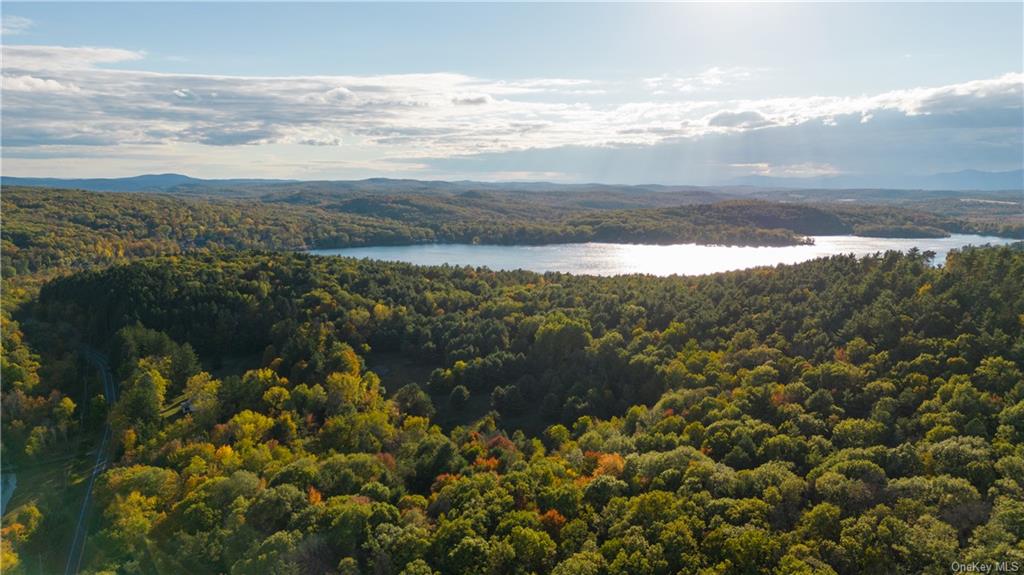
column 681, row 259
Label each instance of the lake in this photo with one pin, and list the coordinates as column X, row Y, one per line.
column 8, row 482
column 681, row 259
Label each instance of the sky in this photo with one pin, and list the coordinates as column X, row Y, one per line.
column 616, row 93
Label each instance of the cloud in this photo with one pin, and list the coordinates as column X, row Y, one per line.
column 802, row 170
column 11, row 25
column 60, row 58
column 435, row 112
column 337, row 94
column 235, row 135
column 892, row 143
column 1002, row 92
column 711, row 78
column 34, row 84
column 65, row 99
column 541, row 84
column 472, row 99
column 743, row 120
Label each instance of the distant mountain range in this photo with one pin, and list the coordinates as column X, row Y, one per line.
column 959, row 181
column 144, row 183
column 967, row 180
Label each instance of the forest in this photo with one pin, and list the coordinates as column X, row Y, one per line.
column 48, row 229
column 284, row 413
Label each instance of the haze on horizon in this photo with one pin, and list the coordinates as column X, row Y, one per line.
column 617, row 93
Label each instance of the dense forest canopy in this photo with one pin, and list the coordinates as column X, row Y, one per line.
column 843, row 415
column 283, row 413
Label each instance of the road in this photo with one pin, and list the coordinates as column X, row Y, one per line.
column 102, row 459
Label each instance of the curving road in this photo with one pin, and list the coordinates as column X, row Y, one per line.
column 102, row 459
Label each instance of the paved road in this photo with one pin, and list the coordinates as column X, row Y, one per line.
column 102, row 459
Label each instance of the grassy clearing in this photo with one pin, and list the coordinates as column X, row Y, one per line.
column 172, row 406
column 56, row 486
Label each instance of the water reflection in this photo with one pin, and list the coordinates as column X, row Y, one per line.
column 681, row 259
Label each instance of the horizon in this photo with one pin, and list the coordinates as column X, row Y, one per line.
column 625, row 94
column 810, row 183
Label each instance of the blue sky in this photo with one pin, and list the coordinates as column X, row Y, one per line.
column 631, row 93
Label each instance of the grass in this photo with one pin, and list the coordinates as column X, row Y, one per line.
column 56, row 486
column 172, row 406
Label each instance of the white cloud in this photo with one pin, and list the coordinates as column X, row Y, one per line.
column 714, row 77
column 339, row 94
column 528, row 176
column 34, row 84
column 1003, row 92
column 11, row 25
column 41, row 58
column 801, row 170
column 57, row 96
